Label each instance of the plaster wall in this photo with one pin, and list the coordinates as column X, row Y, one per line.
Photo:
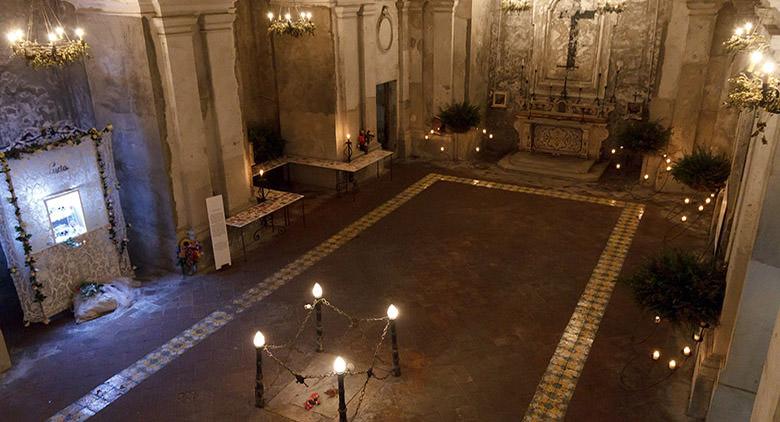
column 29, row 98
column 768, row 396
column 757, row 303
column 255, row 64
column 126, row 92
column 306, row 74
column 386, row 61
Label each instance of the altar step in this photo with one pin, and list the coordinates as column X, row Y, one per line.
column 562, row 167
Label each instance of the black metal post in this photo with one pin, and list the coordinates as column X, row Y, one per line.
column 318, row 319
column 342, row 400
column 259, row 389
column 394, row 340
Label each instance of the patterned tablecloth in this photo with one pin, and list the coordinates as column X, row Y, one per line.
column 359, row 163
column 274, row 201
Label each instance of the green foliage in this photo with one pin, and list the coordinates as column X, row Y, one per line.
column 459, row 117
column 90, row 288
column 643, row 136
column 267, row 143
column 680, row 287
column 703, row 170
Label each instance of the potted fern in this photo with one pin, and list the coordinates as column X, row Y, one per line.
column 459, row 117
column 680, row 287
column 641, row 141
column 703, row 170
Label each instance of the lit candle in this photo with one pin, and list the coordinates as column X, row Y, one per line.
column 672, row 364
column 657, row 319
column 270, row 16
column 614, row 150
column 656, row 355
column 708, row 200
column 684, row 218
column 686, row 351
column 79, row 32
column 701, row 207
column 617, row 166
column 442, row 149
column 647, row 176
column 687, row 200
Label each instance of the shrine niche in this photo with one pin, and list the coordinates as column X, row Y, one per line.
column 62, row 221
column 570, row 67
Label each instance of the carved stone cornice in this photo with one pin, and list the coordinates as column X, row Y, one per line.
column 443, row 6
column 219, row 21
column 703, row 7
column 175, row 25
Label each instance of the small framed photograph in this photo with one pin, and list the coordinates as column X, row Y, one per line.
column 500, row 99
column 66, row 215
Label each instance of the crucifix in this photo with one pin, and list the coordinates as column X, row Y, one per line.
column 574, row 32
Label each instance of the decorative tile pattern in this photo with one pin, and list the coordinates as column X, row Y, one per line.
column 574, row 346
column 359, row 163
column 560, row 379
column 274, row 201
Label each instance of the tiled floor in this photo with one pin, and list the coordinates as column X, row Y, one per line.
column 487, row 280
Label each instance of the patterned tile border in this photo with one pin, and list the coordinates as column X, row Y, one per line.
column 560, row 379
column 582, row 327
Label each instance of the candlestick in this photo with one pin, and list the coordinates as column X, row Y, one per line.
column 339, row 367
column 259, row 342
column 317, row 293
column 392, row 314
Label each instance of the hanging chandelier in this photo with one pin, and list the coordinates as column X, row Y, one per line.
column 614, row 6
column 284, row 24
column 62, row 48
column 745, row 37
column 511, row 6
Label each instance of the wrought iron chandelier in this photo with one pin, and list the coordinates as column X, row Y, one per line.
column 613, row 6
column 284, row 24
column 62, row 47
column 515, row 6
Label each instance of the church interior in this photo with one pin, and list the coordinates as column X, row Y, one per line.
column 411, row 210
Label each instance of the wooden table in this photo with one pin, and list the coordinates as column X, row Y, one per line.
column 275, row 200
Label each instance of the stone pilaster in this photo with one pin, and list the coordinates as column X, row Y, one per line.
column 441, row 46
column 410, row 70
column 234, row 157
column 348, row 71
column 185, row 129
column 690, row 86
column 752, row 288
column 368, row 49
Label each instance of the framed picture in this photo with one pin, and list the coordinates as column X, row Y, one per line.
column 66, row 215
column 500, row 99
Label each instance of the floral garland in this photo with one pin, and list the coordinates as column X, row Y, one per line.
column 21, row 234
column 121, row 244
column 47, row 139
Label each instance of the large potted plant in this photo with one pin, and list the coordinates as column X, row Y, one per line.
column 458, row 119
column 680, row 287
column 703, row 170
column 641, row 141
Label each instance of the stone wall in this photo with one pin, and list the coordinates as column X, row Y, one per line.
column 634, row 48
column 126, row 92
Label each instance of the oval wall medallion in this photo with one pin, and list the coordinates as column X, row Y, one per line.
column 384, row 30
